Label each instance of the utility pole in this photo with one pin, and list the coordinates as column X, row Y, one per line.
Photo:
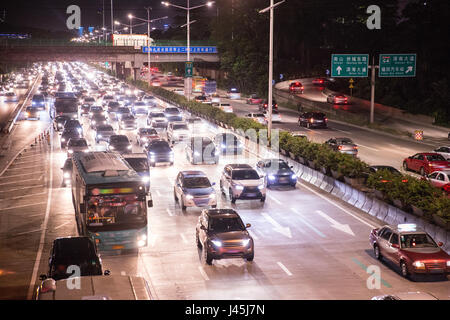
column 112, row 19
column 103, row 13
column 372, row 89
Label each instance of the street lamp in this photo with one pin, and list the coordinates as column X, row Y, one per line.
column 270, row 98
column 130, row 16
column 188, row 23
column 148, row 35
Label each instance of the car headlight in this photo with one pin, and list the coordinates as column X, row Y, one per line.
column 70, row 151
column 142, row 237
column 86, row 150
column 239, row 187
column 294, row 176
column 99, row 135
column 245, row 242
column 145, row 179
column 419, row 264
column 217, row 243
column 216, row 152
column 196, row 153
column 152, row 154
column 212, row 195
column 130, row 146
column 271, row 177
column 66, row 174
column 448, row 263
column 63, row 139
column 189, row 197
column 144, row 139
column 79, row 130
column 93, row 122
column 260, row 187
column 111, row 147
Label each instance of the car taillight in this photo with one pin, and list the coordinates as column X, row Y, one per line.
column 340, row 147
column 301, row 88
column 384, row 181
column 311, row 120
column 325, row 119
column 404, row 180
column 355, row 147
column 447, row 188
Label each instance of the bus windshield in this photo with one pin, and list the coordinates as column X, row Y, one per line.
column 115, row 212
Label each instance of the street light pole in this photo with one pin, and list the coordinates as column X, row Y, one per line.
column 112, row 19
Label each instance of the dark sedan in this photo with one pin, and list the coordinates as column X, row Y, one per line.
column 68, row 134
column 277, row 172
column 60, row 121
column 119, row 143
column 159, row 151
column 313, row 119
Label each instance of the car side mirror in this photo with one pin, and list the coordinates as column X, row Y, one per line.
column 107, row 272
column 440, row 244
column 213, row 184
column 248, row 225
column 42, row 277
column 394, row 245
column 203, row 227
column 292, row 167
column 150, row 203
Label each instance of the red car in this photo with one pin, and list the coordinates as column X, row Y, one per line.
column 426, row 163
column 410, row 248
column 296, row 87
column 254, row 99
column 145, row 135
column 319, row 81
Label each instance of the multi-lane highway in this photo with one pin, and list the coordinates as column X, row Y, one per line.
column 308, row 244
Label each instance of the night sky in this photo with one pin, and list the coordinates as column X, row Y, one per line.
column 51, row 14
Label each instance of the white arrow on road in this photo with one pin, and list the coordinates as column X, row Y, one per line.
column 286, row 231
column 343, row 227
column 339, row 69
column 409, row 69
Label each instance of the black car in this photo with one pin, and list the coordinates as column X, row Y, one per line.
column 38, row 101
column 70, row 253
column 221, row 234
column 67, row 172
column 201, row 150
column 68, row 134
column 98, row 119
column 119, row 143
column 122, row 111
column 277, row 172
column 159, row 151
column 60, row 121
column 103, row 132
column 228, row 143
column 96, row 110
column 264, row 105
column 113, row 107
column 72, row 123
column 313, row 119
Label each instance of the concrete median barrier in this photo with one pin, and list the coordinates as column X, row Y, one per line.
column 367, row 204
column 354, row 196
column 348, row 191
column 338, row 189
column 307, row 174
column 360, row 199
column 391, row 217
column 314, row 174
column 319, row 179
column 327, row 184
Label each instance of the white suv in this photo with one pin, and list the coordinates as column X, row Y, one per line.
column 241, row 181
column 177, row 131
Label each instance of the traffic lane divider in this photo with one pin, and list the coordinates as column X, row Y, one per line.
column 327, row 184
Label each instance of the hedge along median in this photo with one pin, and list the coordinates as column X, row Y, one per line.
column 406, row 192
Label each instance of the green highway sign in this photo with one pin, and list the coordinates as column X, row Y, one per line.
column 349, row 65
column 188, row 69
column 397, row 65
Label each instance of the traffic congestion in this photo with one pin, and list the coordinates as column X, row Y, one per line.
column 152, row 190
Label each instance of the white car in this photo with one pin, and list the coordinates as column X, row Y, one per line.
column 241, row 181
column 215, row 99
column 10, row 97
column 193, row 189
column 179, row 91
column 177, row 131
column 444, row 151
column 234, row 94
column 258, row 117
column 276, row 117
column 226, row 107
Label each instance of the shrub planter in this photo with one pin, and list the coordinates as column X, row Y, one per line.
column 379, row 194
column 292, row 155
column 417, row 211
column 324, row 170
column 336, row 174
column 311, row 164
column 398, row 203
column 283, row 152
column 301, row 160
column 354, row 182
column 441, row 222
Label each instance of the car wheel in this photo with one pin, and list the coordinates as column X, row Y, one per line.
column 376, row 252
column 197, row 240
column 263, row 199
column 422, row 171
column 251, row 257
column 405, row 166
column 183, row 207
column 404, row 269
column 171, row 163
column 207, row 256
column 221, row 188
column 214, row 206
column 232, row 198
column 175, row 196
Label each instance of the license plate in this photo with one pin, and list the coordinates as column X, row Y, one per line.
column 436, row 270
column 251, row 194
column 319, row 120
column 118, row 247
column 284, row 179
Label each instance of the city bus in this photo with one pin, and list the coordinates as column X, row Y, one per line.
column 109, row 198
column 65, row 104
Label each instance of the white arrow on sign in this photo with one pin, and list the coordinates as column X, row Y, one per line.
column 410, row 69
column 343, row 227
column 286, row 231
column 339, row 69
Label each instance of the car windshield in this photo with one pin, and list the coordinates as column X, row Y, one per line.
column 127, row 117
column 147, row 131
column 318, row 115
column 345, row 141
column 420, row 240
column 157, row 115
column 244, row 175
column 280, row 164
column 196, row 182
column 119, row 139
column 180, row 127
column 159, row 146
column 74, row 250
column 78, row 143
column 435, row 157
column 105, row 128
column 172, row 110
column 138, row 164
column 226, row 224
column 96, row 109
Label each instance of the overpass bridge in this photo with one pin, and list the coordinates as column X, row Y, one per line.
column 123, row 59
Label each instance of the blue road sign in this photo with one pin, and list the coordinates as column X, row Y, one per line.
column 80, row 31
column 179, row 49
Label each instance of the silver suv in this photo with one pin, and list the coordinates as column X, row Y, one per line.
column 241, row 181
column 177, row 131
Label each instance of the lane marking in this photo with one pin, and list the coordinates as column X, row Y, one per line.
column 158, row 193
column 122, row 273
column 346, row 132
column 338, row 206
column 37, row 165
column 203, row 273
column 337, row 225
column 169, row 212
column 22, row 174
column 44, row 225
column 62, row 225
column 5, row 183
column 374, row 149
column 35, row 186
column 284, row 268
column 275, row 199
column 24, row 162
column 26, row 232
column 27, row 195
column 25, row 205
column 183, row 238
column 308, row 224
